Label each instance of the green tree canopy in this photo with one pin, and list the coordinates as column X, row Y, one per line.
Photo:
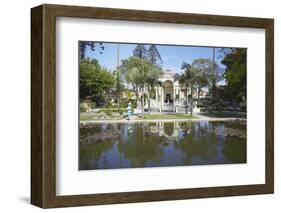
column 140, row 73
column 94, row 80
column 118, row 85
column 236, row 73
column 188, row 79
column 143, row 147
column 208, row 73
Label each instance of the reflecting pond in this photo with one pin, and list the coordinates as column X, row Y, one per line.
column 132, row 145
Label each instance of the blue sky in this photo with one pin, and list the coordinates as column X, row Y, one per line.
column 172, row 56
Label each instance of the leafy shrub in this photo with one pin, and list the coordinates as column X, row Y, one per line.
column 85, row 105
column 83, row 108
column 109, row 104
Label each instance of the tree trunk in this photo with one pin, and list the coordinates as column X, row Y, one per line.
column 214, row 91
column 137, row 93
column 191, row 102
column 118, row 102
column 142, row 103
column 148, row 97
column 186, row 100
column 198, row 96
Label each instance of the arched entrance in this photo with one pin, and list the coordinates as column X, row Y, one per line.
column 168, row 98
column 168, row 91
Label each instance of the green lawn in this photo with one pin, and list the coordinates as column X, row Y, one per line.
column 168, row 116
column 113, row 110
column 107, row 115
column 87, row 117
column 225, row 114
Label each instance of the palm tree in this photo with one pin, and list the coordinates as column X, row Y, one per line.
column 137, row 71
column 152, row 80
column 141, row 53
column 201, row 81
column 188, row 79
column 118, row 85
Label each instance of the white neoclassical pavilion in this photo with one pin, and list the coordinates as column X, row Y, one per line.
column 169, row 95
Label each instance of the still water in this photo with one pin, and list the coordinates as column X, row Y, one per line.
column 133, row 145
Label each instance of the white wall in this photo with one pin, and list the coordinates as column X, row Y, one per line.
column 15, row 106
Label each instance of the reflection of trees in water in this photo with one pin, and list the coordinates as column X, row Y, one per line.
column 234, row 124
column 143, row 146
column 96, row 133
column 139, row 144
column 89, row 129
column 197, row 144
column 235, row 150
column 93, row 153
column 90, row 155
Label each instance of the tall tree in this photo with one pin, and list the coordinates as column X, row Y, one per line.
column 137, row 71
column 94, row 80
column 204, row 74
column 201, row 81
column 93, row 46
column 153, row 55
column 209, row 73
column 118, row 85
column 140, row 51
column 215, row 76
column 152, row 80
column 236, row 74
column 188, row 79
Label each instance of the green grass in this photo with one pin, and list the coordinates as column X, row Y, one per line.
column 88, row 117
column 103, row 114
column 99, row 116
column 113, row 110
column 168, row 116
column 226, row 114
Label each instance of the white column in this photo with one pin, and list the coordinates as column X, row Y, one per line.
column 156, row 94
column 162, row 95
column 161, row 100
column 178, row 93
column 187, row 92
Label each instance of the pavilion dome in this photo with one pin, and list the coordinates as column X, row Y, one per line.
column 168, row 73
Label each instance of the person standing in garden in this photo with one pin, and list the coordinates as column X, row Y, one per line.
column 129, row 108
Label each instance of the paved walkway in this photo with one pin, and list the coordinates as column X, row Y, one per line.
column 201, row 116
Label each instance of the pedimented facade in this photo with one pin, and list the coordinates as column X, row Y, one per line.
column 169, row 95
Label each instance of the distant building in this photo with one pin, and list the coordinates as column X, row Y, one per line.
column 169, row 95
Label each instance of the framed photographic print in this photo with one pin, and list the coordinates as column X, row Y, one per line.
column 135, row 106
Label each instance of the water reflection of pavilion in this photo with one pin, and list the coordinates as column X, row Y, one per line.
column 168, row 129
